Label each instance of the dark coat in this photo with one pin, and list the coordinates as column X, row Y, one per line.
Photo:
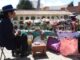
column 7, row 37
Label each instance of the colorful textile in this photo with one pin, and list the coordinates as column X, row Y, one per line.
column 68, row 46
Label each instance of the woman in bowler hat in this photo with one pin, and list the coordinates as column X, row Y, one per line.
column 6, row 27
column 7, row 36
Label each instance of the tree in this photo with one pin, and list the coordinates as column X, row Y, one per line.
column 25, row 4
column 71, row 4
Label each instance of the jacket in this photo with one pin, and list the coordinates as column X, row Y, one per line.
column 7, row 37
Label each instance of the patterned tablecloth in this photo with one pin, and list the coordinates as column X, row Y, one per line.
column 69, row 34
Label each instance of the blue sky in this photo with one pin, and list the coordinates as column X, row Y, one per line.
column 59, row 2
column 44, row 2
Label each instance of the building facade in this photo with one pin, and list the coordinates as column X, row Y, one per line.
column 25, row 15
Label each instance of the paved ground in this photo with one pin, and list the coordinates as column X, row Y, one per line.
column 49, row 56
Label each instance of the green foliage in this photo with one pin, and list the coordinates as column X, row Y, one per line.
column 71, row 4
column 25, row 4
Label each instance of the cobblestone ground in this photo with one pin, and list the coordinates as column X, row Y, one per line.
column 49, row 56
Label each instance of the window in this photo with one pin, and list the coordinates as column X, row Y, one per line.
column 65, row 16
column 48, row 17
column 56, row 17
column 16, row 18
column 43, row 17
column 32, row 18
column 21, row 18
column 27, row 18
column 52, row 17
column 38, row 17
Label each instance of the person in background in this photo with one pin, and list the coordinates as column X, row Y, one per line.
column 74, row 23
column 22, row 44
column 15, row 28
column 16, row 52
column 7, row 37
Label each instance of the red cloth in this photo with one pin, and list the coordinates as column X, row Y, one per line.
column 68, row 46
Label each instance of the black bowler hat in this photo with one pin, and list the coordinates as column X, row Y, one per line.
column 7, row 8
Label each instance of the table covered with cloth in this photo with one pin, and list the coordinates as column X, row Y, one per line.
column 68, row 34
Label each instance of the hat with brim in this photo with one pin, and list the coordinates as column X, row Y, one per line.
column 8, row 8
